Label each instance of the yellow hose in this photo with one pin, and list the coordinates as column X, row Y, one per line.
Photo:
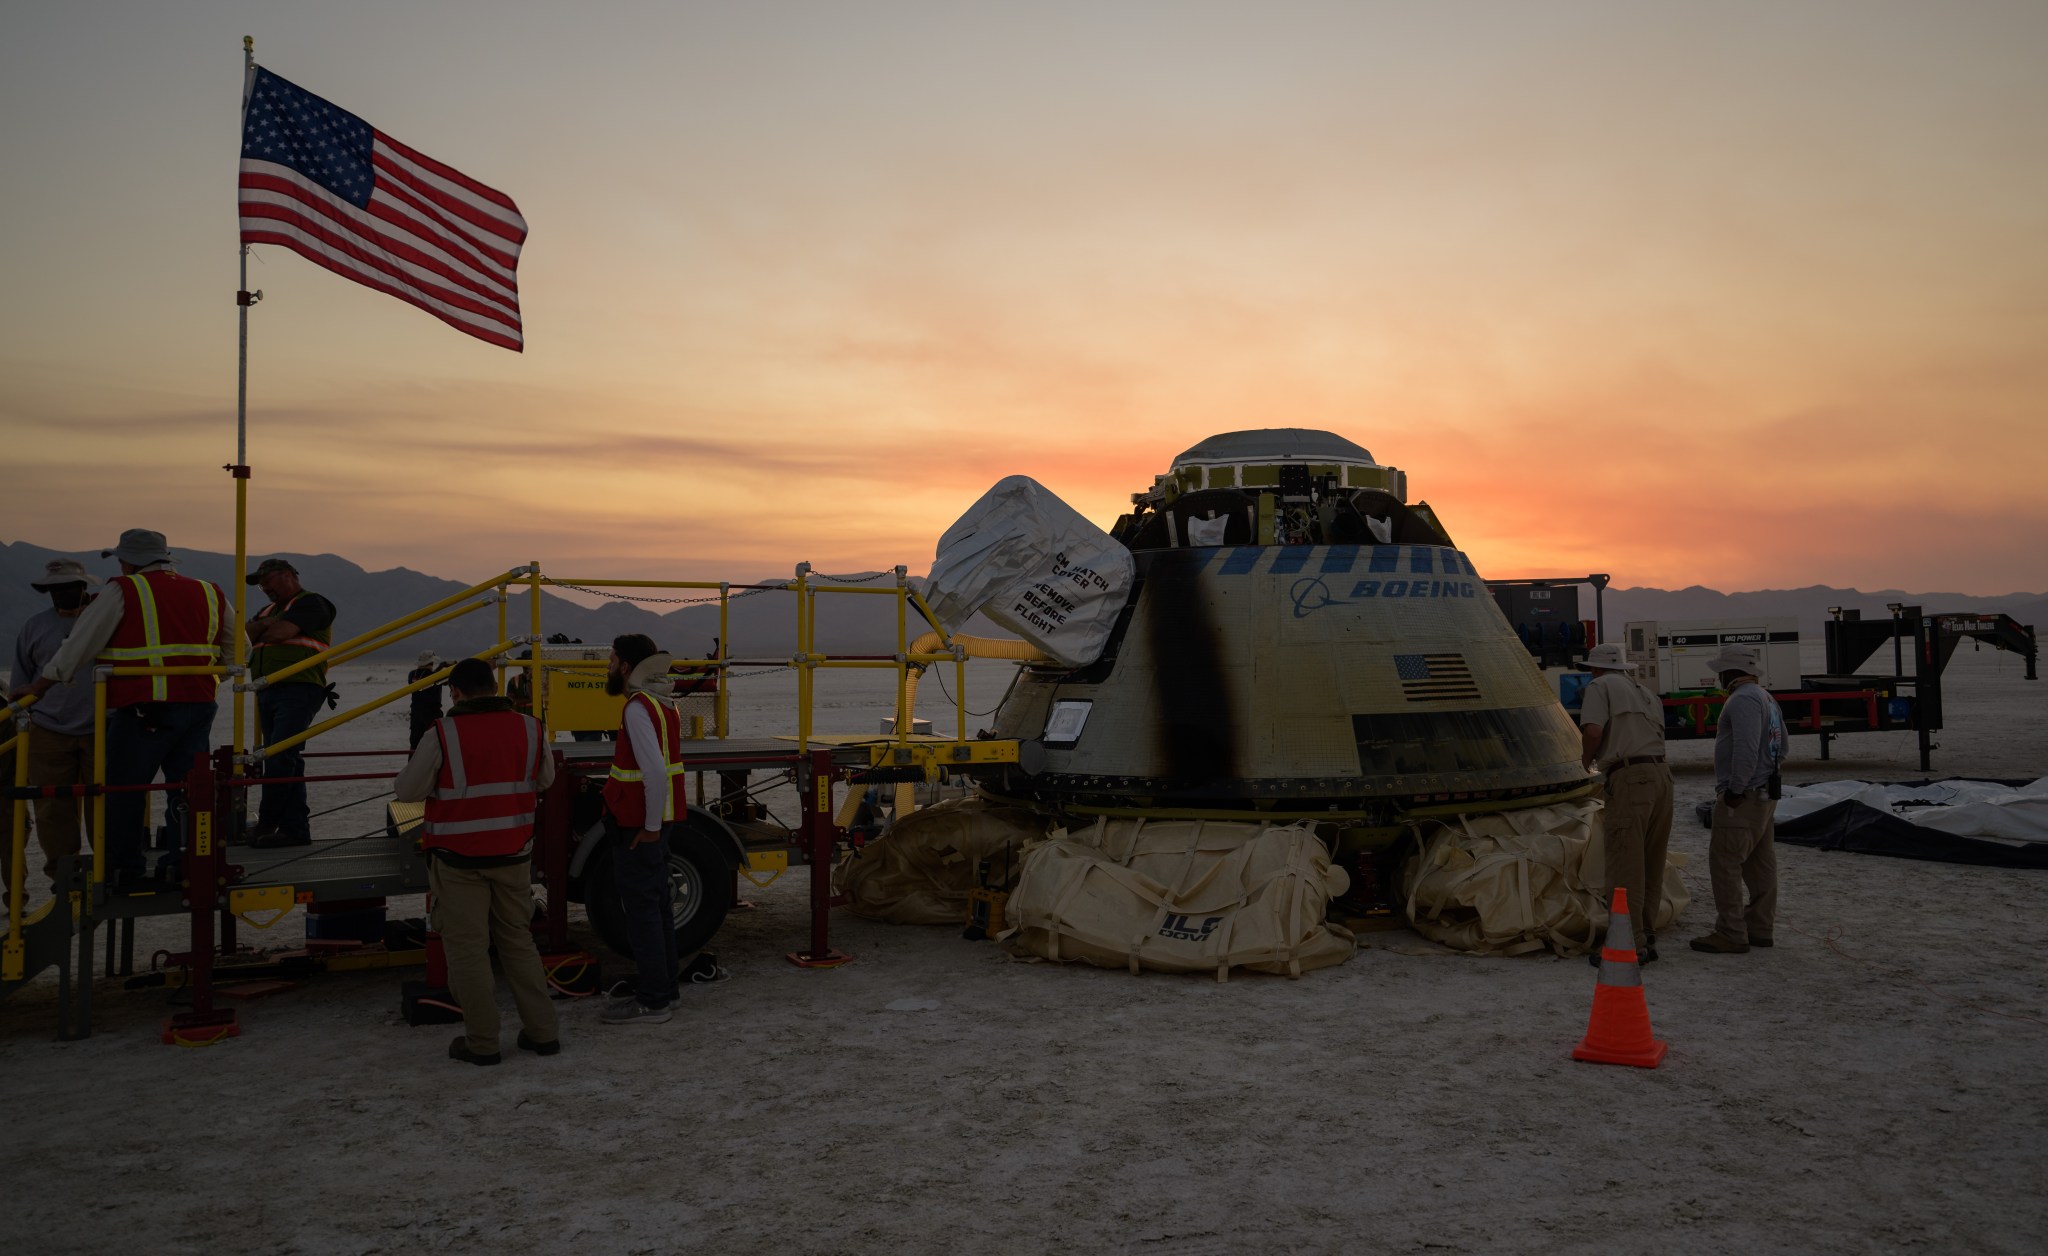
column 977, row 648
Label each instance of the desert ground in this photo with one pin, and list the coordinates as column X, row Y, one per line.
column 1876, row 1082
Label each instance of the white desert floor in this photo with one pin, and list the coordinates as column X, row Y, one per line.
column 1876, row 1082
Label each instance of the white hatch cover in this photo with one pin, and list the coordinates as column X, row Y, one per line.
column 1033, row 565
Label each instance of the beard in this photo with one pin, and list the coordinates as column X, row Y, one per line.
column 614, row 683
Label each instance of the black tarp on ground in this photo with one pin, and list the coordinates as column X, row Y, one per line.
column 1864, row 830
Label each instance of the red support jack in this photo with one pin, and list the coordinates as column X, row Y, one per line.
column 823, row 836
column 205, row 876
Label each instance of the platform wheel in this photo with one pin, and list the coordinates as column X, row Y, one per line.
column 700, row 876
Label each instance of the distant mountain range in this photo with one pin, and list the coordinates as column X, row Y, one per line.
column 763, row 626
column 1809, row 604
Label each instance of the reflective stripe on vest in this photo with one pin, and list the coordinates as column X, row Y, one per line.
column 138, row 640
column 491, row 814
column 626, row 769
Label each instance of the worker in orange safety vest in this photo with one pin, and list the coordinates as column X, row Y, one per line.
column 481, row 772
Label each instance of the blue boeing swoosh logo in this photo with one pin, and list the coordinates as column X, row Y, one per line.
column 1311, row 594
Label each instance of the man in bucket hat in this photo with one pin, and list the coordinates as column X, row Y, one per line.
column 1621, row 732
column 1748, row 746
column 59, row 744
column 149, row 615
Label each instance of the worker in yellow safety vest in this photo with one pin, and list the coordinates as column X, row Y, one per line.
column 295, row 626
column 148, row 616
column 644, row 796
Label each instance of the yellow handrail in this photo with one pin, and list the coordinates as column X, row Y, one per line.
column 504, row 631
column 643, row 584
column 806, row 660
column 375, row 634
column 721, row 703
column 350, row 656
column 537, row 695
column 353, row 713
column 99, row 775
column 17, row 837
column 16, row 710
column 804, row 675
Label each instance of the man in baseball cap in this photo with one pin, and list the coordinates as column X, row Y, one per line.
column 267, row 567
column 59, row 745
column 1749, row 743
column 1621, row 734
column 293, row 627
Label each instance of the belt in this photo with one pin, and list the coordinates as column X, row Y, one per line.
column 1638, row 761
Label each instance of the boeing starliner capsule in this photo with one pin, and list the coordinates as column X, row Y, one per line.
column 1294, row 640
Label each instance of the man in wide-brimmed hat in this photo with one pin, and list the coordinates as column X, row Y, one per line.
column 59, row 746
column 1741, row 854
column 1621, row 731
column 148, row 616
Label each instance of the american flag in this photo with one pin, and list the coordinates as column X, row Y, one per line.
column 332, row 188
column 1435, row 677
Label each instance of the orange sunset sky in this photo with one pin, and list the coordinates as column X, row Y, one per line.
column 1739, row 294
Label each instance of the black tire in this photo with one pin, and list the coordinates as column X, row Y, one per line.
column 700, row 872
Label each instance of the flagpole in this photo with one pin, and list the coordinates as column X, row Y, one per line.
column 240, row 469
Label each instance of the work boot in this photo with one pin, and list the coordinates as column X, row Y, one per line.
column 539, row 1048
column 1757, row 941
column 459, row 1050
column 631, row 1011
column 272, row 839
column 1715, row 944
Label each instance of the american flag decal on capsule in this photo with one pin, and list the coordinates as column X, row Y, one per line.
column 1435, row 677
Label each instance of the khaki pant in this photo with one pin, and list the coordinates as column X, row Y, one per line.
column 53, row 759
column 473, row 909
column 59, row 759
column 1637, row 826
column 7, row 812
column 1742, row 853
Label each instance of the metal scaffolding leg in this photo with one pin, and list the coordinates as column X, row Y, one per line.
column 87, row 924
column 819, row 830
column 206, row 832
column 64, row 988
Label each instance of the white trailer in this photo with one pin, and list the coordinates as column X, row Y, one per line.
column 1671, row 655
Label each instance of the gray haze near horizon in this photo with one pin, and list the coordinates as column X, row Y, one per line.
column 762, row 626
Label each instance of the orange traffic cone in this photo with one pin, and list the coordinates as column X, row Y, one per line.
column 1619, row 1032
